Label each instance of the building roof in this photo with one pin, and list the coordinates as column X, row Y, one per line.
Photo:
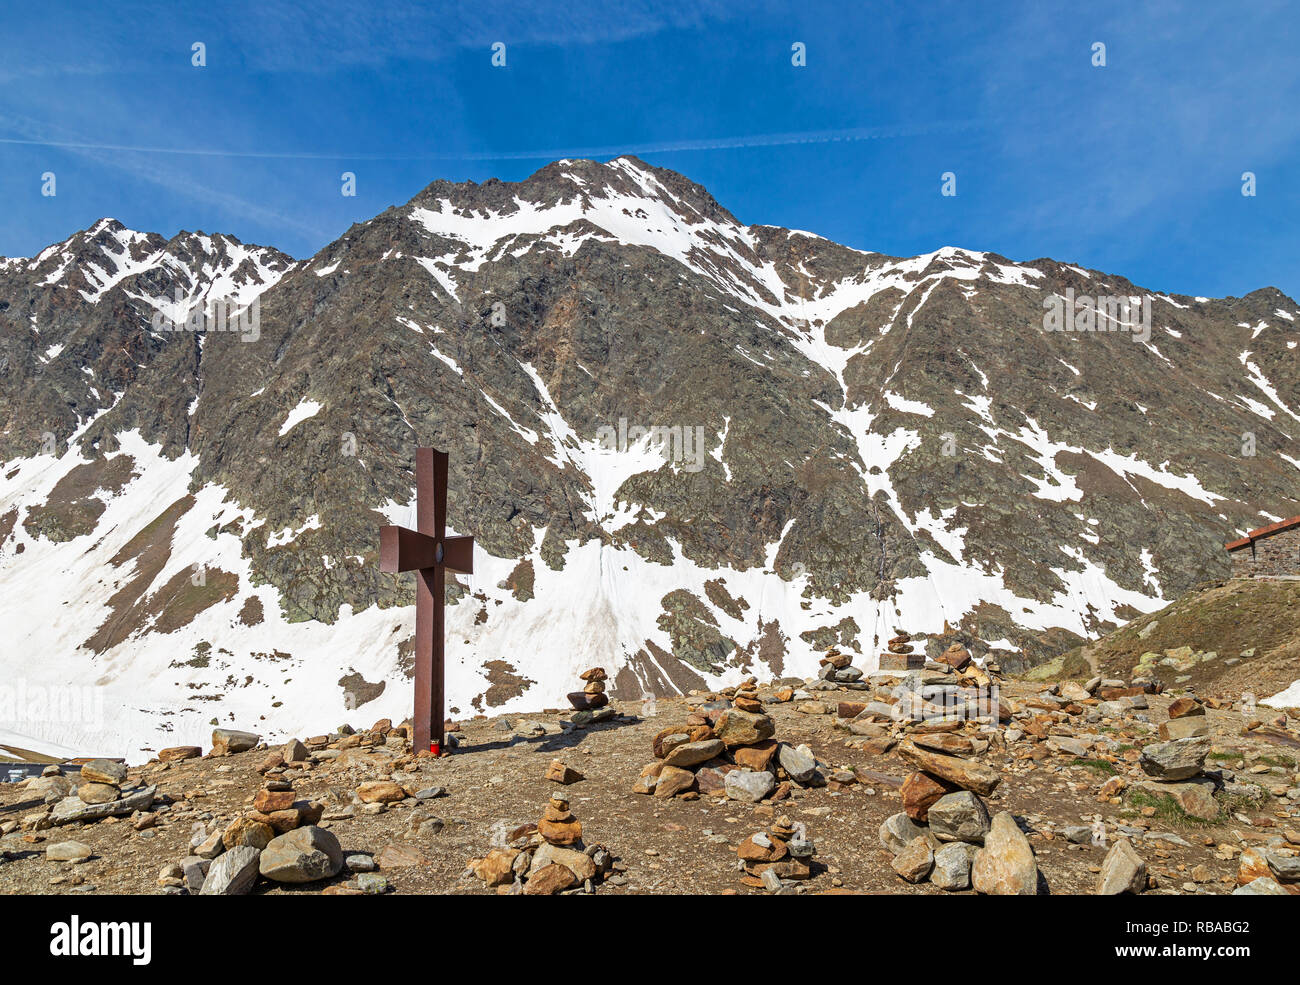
column 1269, row 531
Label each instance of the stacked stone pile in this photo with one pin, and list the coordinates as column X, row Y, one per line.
column 778, row 858
column 837, row 672
column 592, row 695
column 899, row 654
column 725, row 750
column 103, row 791
column 545, row 858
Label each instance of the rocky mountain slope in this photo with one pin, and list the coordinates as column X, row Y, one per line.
column 847, row 442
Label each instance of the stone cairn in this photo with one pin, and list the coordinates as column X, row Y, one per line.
column 837, row 670
column 727, row 749
column 104, row 791
column 776, row 858
column 545, row 858
column 592, row 695
column 898, row 654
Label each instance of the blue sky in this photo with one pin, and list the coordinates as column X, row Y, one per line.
column 1134, row 168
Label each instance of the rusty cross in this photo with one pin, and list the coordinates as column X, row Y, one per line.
column 430, row 553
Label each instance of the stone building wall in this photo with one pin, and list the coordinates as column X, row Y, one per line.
column 1275, row 555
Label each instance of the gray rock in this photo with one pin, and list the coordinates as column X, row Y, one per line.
column 898, row 831
column 1122, row 871
column 1263, row 886
column 360, row 863
column 233, row 874
column 686, row 754
column 68, row 851
column 228, row 740
column 748, row 786
column 959, row 816
column 1179, row 759
column 430, row 793
column 1078, row 834
column 1285, row 867
column 71, row 809
column 952, row 867
column 798, row 761
column 194, row 871
column 373, row 883
column 303, row 855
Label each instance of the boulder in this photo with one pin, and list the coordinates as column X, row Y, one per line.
column 175, row 754
column 959, row 816
column 1005, row 866
column 303, row 855
column 98, row 793
column 1122, row 871
column 1195, row 797
column 674, row 780
column 798, row 761
column 976, row 777
column 227, row 741
column 693, row 753
column 897, row 832
column 915, row 861
column 920, row 791
column 743, row 728
column 233, row 874
column 68, row 851
column 1178, row 759
column 73, row 809
column 747, row 785
column 951, row 870
column 104, row 771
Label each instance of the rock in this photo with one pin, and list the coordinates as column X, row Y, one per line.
column 303, row 855
column 380, row 792
column 920, row 791
column 1178, row 759
column 68, row 851
column 97, row 793
column 1122, row 871
column 557, row 772
column 798, row 761
column 1005, row 866
column 373, row 884
column 1071, row 691
column 104, row 771
column 981, row 779
column 1195, row 797
column 759, row 756
column 1190, row 727
column 194, row 871
column 294, row 751
column 269, row 801
column 897, row 831
column 73, row 809
column 743, row 728
column 952, row 864
column 175, row 754
column 1068, row 745
column 578, row 863
column 1263, row 886
column 497, row 867
column 233, row 874
column 1285, row 868
column 1185, row 707
column 915, row 861
column 674, row 780
column 360, row 863
column 746, row 785
column 247, row 832
column 549, row 880
column 227, row 741
column 392, row 857
column 959, row 816
column 694, row 753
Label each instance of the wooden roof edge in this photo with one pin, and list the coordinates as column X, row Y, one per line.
column 1266, row 531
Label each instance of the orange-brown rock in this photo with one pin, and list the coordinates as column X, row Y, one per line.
column 549, row 880
column 380, row 792
column 920, row 792
column 1185, row 707
column 757, row 757
column 968, row 775
column 268, row 801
